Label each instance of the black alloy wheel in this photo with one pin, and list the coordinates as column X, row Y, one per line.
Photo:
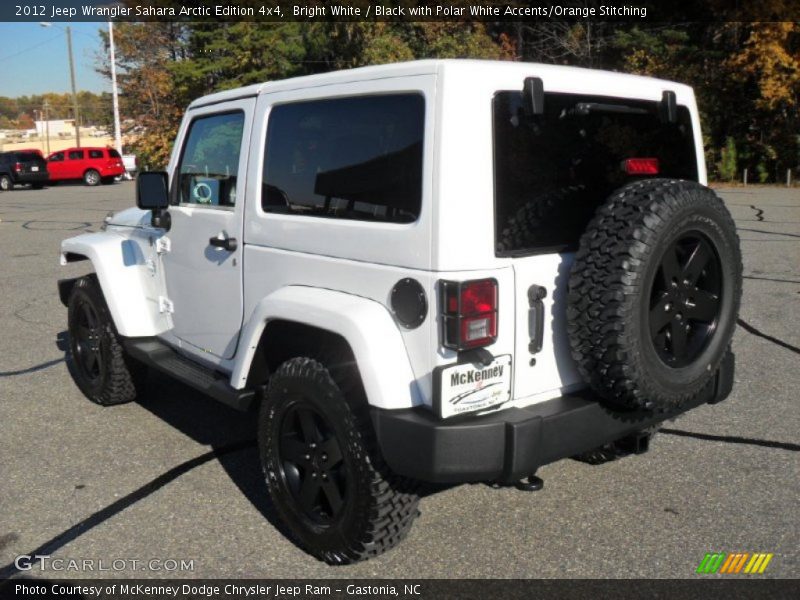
column 88, row 342
column 685, row 300
column 325, row 474
column 311, row 464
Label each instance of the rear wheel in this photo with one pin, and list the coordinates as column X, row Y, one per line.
column 324, row 473
column 91, row 177
column 5, row 183
column 654, row 294
column 98, row 363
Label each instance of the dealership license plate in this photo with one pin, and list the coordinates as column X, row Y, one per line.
column 34, row 169
column 473, row 387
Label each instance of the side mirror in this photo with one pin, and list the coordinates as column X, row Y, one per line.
column 152, row 190
column 152, row 193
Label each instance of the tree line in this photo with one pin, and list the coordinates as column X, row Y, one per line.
column 21, row 112
column 746, row 74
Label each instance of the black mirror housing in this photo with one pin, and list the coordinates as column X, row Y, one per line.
column 152, row 190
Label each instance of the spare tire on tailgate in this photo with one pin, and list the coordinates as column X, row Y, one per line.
column 654, row 294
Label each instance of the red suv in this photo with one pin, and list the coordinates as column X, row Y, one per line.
column 93, row 165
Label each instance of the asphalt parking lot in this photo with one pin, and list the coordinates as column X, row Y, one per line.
column 176, row 476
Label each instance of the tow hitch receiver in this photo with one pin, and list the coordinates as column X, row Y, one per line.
column 637, row 443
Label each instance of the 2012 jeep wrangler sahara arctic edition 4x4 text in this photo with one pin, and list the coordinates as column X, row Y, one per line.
column 439, row 271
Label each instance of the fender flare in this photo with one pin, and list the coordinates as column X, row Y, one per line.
column 367, row 327
column 121, row 269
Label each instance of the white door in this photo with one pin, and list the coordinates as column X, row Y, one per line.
column 203, row 266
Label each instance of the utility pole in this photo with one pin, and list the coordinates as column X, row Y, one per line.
column 74, row 93
column 46, row 108
column 114, row 91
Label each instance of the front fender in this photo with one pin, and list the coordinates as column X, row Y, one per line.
column 127, row 276
column 366, row 325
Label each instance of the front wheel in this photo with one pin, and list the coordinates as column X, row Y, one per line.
column 91, row 177
column 98, row 363
column 324, row 474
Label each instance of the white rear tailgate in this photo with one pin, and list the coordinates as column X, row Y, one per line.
column 554, row 371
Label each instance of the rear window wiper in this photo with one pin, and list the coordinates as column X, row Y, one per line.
column 586, row 108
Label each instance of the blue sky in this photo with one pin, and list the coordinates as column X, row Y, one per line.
column 34, row 58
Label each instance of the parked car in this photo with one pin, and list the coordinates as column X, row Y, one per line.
column 34, row 150
column 93, row 165
column 21, row 167
column 438, row 271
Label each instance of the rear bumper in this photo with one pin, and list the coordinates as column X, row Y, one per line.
column 22, row 178
column 112, row 171
column 511, row 444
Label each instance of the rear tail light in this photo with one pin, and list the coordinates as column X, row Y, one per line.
column 17, row 167
column 469, row 313
column 640, row 166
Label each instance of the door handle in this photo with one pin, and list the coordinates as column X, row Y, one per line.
column 536, row 294
column 228, row 244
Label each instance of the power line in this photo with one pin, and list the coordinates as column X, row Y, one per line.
column 47, row 41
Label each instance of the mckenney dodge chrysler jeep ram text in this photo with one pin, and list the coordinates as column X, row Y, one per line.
column 436, row 271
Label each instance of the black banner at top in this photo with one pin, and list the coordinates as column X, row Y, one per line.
column 400, row 10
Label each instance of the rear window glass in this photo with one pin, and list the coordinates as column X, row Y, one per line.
column 95, row 154
column 75, row 154
column 553, row 170
column 113, row 153
column 348, row 158
column 27, row 156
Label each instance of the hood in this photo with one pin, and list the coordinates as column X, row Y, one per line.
column 130, row 217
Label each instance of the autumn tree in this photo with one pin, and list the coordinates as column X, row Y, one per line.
column 149, row 97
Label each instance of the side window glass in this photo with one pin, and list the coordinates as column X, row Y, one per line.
column 346, row 158
column 95, row 154
column 58, row 157
column 210, row 160
column 75, row 155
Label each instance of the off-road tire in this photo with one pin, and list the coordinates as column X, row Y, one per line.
column 92, row 178
column 378, row 506
column 6, row 184
column 613, row 279
column 119, row 378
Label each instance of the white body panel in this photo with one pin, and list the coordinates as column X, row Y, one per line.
column 127, row 268
column 554, row 371
column 365, row 324
column 338, row 274
column 204, row 283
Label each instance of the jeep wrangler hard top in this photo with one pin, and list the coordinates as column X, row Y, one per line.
column 437, row 271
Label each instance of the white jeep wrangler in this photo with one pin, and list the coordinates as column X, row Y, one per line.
column 436, row 271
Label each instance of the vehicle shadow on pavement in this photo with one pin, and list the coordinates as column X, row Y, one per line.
column 213, row 424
